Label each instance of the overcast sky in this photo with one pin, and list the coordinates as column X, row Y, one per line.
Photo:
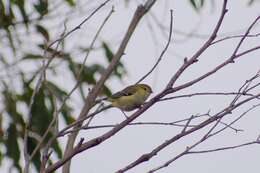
column 144, row 48
column 141, row 53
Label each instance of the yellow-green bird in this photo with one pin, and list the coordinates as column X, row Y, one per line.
column 131, row 97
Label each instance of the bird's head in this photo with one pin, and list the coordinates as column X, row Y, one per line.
column 146, row 88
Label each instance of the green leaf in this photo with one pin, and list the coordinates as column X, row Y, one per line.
column 6, row 16
column 41, row 115
column 106, row 91
column 108, row 52
column 57, row 149
column 59, row 93
column 197, row 4
column 3, row 60
column 32, row 57
column 89, row 72
column 66, row 114
column 1, row 158
column 41, row 7
column 71, row 2
column 2, row 7
column 12, row 147
column 119, row 71
column 37, row 158
column 20, row 4
column 10, row 106
column 43, row 32
column 193, row 4
column 11, row 41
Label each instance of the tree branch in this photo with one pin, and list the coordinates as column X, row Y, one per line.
column 162, row 53
column 194, row 58
column 90, row 100
column 148, row 156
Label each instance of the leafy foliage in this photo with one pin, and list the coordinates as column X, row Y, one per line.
column 197, row 4
column 120, row 69
column 15, row 15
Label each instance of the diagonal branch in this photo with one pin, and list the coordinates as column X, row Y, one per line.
column 162, row 53
column 186, row 151
column 223, row 148
column 90, row 100
column 228, row 61
column 194, row 58
column 148, row 156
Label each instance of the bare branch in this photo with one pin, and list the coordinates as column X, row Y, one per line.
column 235, row 36
column 202, row 140
column 162, row 53
column 245, row 88
column 79, row 121
column 148, row 156
column 53, row 122
column 194, row 58
column 38, row 86
column 205, row 94
column 228, row 61
column 223, row 148
column 234, row 121
column 247, row 51
column 245, row 36
column 42, row 77
column 74, row 128
column 187, row 151
column 187, row 124
column 80, row 25
column 173, row 123
column 90, row 100
column 229, row 126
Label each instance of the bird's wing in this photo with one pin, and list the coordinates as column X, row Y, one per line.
column 128, row 91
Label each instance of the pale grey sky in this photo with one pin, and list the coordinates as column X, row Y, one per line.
column 141, row 53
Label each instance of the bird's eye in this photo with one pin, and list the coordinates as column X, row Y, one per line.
column 145, row 89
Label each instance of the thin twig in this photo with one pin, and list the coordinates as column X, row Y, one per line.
column 148, row 156
column 174, row 123
column 162, row 53
column 186, row 151
column 205, row 94
column 90, row 100
column 80, row 25
column 214, row 70
column 234, row 121
column 194, row 58
column 235, row 36
column 49, row 128
column 229, row 126
column 166, row 164
column 42, row 77
column 187, row 124
column 39, row 83
column 223, row 148
column 64, row 101
column 79, row 121
column 244, row 88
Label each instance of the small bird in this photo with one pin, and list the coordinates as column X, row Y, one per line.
column 131, row 97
